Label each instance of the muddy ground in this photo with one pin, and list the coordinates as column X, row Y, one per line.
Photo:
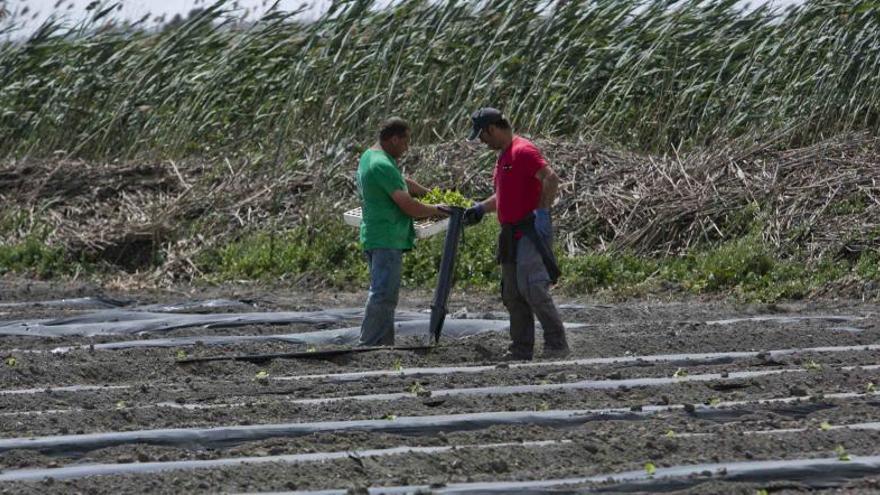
column 667, row 411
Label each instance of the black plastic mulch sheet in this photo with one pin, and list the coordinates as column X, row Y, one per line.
column 810, row 473
column 133, row 321
column 455, row 329
column 226, row 436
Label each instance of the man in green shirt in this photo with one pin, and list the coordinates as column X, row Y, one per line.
column 388, row 206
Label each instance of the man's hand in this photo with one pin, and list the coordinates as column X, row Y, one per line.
column 444, row 209
column 474, row 214
column 543, row 223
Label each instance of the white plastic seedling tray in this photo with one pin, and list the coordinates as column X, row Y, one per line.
column 424, row 228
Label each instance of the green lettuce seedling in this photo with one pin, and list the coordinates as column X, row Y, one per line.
column 813, row 366
column 437, row 196
column 841, row 453
column 650, row 468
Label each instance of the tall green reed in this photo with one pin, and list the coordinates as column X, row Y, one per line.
column 645, row 74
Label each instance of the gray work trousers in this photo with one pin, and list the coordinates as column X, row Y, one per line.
column 525, row 290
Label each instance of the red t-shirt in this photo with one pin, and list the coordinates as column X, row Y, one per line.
column 517, row 190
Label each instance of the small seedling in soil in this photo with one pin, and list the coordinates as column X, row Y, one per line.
column 543, row 406
column 841, row 453
column 680, row 373
column 417, row 389
column 825, row 426
column 262, row 375
column 650, row 468
column 389, row 417
column 120, row 404
column 871, row 388
column 11, row 362
column 670, row 433
column 397, row 366
column 813, row 366
column 181, row 354
column 714, row 401
column 311, row 348
column 761, row 492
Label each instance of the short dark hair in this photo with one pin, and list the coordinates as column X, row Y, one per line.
column 502, row 124
column 394, row 126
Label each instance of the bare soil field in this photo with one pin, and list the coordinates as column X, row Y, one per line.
column 690, row 396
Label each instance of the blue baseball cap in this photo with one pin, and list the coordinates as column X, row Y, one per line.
column 482, row 119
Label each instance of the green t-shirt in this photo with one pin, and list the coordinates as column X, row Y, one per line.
column 384, row 224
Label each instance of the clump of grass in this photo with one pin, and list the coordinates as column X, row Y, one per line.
column 33, row 256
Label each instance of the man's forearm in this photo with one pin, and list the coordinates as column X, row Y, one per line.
column 549, row 187
column 413, row 207
column 489, row 204
column 415, row 189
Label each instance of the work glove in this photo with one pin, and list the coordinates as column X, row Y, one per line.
column 543, row 224
column 474, row 214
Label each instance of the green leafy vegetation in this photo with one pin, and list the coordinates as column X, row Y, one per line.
column 842, row 454
column 744, row 267
column 32, row 256
column 634, row 72
column 437, row 196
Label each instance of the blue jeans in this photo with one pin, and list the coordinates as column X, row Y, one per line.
column 378, row 325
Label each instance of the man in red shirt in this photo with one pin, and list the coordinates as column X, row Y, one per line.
column 525, row 187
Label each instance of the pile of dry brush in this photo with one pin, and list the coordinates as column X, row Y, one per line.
column 819, row 199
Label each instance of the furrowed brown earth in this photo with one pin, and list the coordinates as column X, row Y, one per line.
column 700, row 411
